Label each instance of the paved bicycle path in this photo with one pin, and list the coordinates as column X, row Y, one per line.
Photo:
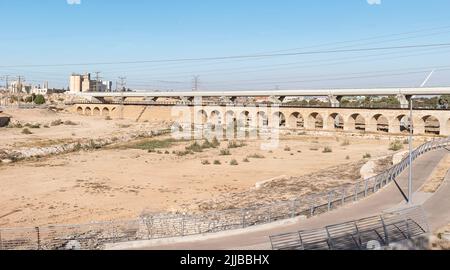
column 257, row 238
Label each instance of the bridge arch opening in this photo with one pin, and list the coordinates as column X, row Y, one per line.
column 401, row 124
column 379, row 123
column 432, row 125
column 357, row 122
column 244, row 119
column 315, row 121
column 336, row 121
column 216, row 119
column 80, row 110
column 202, row 117
column 262, row 119
column 296, row 120
column 279, row 119
column 105, row 112
column 88, row 111
column 96, row 111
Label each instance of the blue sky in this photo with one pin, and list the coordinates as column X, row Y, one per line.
column 40, row 32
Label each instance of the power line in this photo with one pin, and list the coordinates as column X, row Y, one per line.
column 435, row 45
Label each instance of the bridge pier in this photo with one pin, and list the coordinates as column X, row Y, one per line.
column 335, row 101
column 404, row 101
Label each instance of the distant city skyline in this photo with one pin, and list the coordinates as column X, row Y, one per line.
column 45, row 33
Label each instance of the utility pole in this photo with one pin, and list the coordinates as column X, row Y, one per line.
column 122, row 89
column 6, row 79
column 195, row 83
column 20, row 79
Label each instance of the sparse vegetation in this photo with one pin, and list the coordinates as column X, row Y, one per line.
column 234, row 162
column 108, row 118
column 314, row 149
column 217, row 162
column 154, row 144
column 345, row 143
column 70, row 123
column 205, row 162
column 225, row 152
column 56, row 123
column 26, row 131
column 256, row 156
column 287, row 149
column 347, row 157
column 235, row 144
column 396, row 146
column 183, row 153
column 195, row 147
column 327, row 150
column 39, row 100
column 246, row 160
column 33, row 126
column 367, row 156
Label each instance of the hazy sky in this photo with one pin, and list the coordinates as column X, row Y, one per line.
column 42, row 32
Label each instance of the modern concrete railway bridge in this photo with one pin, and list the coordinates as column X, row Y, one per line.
column 143, row 106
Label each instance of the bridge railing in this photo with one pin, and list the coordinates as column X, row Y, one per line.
column 146, row 227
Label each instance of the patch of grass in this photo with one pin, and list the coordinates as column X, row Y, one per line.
column 154, row 144
column 327, row 150
column 234, row 162
column 225, row 152
column 34, row 126
column 257, row 156
column 367, row 156
column 217, row 162
column 235, row 144
column 396, row 146
column 183, row 153
column 26, row 131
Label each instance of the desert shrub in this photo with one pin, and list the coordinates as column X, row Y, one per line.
column 195, row 147
column 287, row 149
column 205, row 162
column 108, row 118
column 26, row 131
column 70, row 123
column 183, row 153
column 234, row 162
column 396, row 146
column 406, row 141
column 257, row 156
column 215, row 142
column 246, row 160
column 235, row 144
column 35, row 126
column 225, row 152
column 314, row 149
column 154, row 144
column 367, row 155
column 327, row 150
column 347, row 157
column 346, row 143
column 217, row 162
column 46, row 126
column 167, row 152
column 56, row 123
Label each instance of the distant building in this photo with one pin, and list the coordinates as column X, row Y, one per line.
column 17, row 87
column 83, row 83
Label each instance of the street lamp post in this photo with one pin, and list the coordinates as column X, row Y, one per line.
column 411, row 130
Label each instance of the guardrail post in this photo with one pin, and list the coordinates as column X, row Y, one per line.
column 183, row 220
column 38, row 235
column 356, row 191
column 312, row 210
column 243, row 218
column 293, row 209
column 366, row 183
column 329, row 202
column 343, row 196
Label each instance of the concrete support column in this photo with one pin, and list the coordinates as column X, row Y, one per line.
column 335, row 101
column 371, row 125
column 404, row 101
column 394, row 125
column 418, row 126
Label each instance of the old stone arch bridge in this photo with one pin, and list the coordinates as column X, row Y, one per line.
column 394, row 121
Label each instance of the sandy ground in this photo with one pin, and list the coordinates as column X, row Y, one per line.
column 85, row 128
column 438, row 176
column 121, row 183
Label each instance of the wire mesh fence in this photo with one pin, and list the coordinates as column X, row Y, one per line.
column 96, row 235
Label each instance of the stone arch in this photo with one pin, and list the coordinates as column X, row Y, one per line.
column 315, row 121
column 380, row 123
column 230, row 118
column 296, row 120
column 431, row 125
column 96, row 111
column 356, row 122
column 400, row 124
column 216, row 117
column 279, row 119
column 262, row 119
column 335, row 121
column 202, row 117
column 105, row 112
column 80, row 110
column 244, row 119
column 87, row 111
